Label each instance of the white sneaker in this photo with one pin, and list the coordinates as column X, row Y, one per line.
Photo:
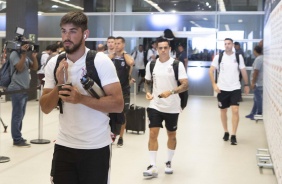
column 152, row 171
column 168, row 169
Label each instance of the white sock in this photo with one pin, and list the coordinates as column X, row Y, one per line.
column 170, row 154
column 153, row 157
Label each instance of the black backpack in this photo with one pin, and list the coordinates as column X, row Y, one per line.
column 184, row 95
column 116, row 119
column 237, row 59
column 5, row 71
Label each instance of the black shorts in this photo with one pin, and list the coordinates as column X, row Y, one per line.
column 228, row 98
column 74, row 166
column 141, row 73
column 156, row 118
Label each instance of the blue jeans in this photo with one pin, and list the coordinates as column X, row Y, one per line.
column 258, row 95
column 19, row 101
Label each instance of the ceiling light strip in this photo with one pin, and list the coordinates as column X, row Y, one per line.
column 221, row 5
column 68, row 4
column 154, row 5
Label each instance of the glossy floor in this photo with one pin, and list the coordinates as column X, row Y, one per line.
column 202, row 157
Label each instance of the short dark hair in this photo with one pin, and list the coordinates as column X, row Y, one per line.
column 228, row 39
column 236, row 43
column 54, row 47
column 111, row 37
column 162, row 39
column 77, row 18
column 258, row 49
column 120, row 38
column 180, row 45
column 48, row 47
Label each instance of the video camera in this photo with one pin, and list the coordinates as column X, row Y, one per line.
column 20, row 41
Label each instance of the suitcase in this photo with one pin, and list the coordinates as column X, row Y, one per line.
column 136, row 117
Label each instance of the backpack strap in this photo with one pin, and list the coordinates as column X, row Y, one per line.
column 91, row 69
column 59, row 59
column 152, row 66
column 220, row 59
column 175, row 66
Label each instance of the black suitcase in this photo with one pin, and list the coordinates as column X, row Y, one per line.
column 136, row 117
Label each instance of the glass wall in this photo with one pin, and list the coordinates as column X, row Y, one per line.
column 202, row 25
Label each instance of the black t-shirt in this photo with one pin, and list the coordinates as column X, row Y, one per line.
column 182, row 56
column 123, row 73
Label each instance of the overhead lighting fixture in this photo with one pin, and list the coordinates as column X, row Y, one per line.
column 227, row 27
column 240, row 20
column 55, row 6
column 154, row 5
column 205, row 18
column 68, row 4
column 40, row 13
column 173, row 11
column 221, row 5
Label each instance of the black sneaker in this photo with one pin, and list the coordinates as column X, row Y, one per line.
column 233, row 140
column 22, row 144
column 226, row 136
column 120, row 142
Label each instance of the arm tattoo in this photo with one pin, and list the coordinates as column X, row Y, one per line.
column 183, row 87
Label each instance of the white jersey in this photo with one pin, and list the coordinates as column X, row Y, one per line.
column 228, row 79
column 82, row 127
column 139, row 59
column 164, row 80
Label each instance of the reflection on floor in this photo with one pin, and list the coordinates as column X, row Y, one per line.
column 202, row 157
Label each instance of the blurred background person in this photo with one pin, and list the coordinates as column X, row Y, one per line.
column 138, row 56
column 257, row 83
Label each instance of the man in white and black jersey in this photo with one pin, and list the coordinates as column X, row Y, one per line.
column 124, row 65
column 152, row 52
column 82, row 152
column 228, row 87
column 110, row 46
column 164, row 103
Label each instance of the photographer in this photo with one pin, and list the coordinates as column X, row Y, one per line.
column 20, row 80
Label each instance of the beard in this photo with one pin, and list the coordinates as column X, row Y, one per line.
column 70, row 50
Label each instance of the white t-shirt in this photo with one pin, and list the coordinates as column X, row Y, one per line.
column 43, row 61
column 164, row 80
column 139, row 59
column 150, row 53
column 81, row 127
column 228, row 79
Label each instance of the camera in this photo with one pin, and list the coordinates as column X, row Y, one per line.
column 19, row 41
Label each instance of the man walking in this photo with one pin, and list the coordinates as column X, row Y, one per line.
column 164, row 104
column 228, row 87
column 123, row 63
column 83, row 147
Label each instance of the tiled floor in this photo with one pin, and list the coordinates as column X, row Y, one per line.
column 202, row 157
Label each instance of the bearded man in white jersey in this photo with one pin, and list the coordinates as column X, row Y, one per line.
column 228, row 86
